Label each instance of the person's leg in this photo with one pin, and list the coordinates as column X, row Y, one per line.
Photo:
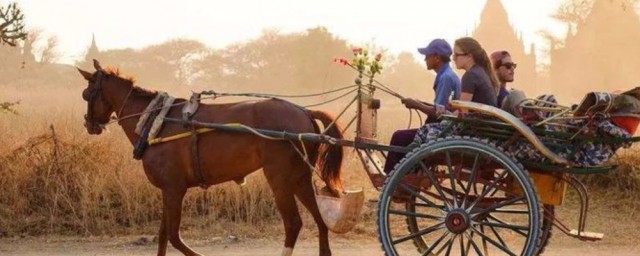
column 399, row 138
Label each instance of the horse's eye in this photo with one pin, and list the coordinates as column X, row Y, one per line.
column 85, row 94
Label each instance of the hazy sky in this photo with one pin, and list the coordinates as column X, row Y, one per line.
column 399, row 25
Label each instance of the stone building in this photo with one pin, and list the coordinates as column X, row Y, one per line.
column 494, row 32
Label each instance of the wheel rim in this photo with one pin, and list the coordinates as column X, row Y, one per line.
column 465, row 210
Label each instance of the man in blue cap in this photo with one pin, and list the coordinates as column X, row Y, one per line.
column 447, row 85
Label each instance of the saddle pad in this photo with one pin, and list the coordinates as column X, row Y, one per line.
column 147, row 111
column 157, row 123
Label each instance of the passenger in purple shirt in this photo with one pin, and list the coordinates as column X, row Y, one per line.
column 437, row 56
column 505, row 68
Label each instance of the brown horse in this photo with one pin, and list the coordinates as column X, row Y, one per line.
column 223, row 156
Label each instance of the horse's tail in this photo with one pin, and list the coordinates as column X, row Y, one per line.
column 329, row 156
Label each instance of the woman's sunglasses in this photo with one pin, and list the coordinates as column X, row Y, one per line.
column 509, row 65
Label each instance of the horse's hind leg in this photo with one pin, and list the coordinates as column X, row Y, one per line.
column 172, row 215
column 306, row 195
column 162, row 235
column 282, row 184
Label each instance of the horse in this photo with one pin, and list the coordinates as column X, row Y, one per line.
column 223, row 156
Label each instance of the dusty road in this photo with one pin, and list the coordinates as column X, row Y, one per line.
column 131, row 246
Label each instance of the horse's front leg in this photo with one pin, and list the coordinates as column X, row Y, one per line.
column 172, row 200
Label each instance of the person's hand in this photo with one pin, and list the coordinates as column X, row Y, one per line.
column 411, row 103
column 440, row 109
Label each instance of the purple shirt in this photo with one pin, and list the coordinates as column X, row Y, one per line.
column 502, row 94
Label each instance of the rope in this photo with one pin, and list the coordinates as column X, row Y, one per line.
column 215, row 95
column 410, row 117
column 306, row 160
column 339, row 115
column 379, row 85
column 419, row 117
column 269, row 95
column 143, row 112
column 331, row 100
column 383, row 88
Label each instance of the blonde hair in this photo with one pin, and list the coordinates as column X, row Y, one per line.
column 480, row 57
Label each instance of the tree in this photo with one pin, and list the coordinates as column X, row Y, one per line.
column 574, row 12
column 293, row 63
column 11, row 31
column 11, row 25
column 175, row 58
column 49, row 52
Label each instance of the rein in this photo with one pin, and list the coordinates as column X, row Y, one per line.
column 118, row 118
column 119, row 114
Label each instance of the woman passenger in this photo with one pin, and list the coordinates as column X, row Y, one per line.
column 479, row 83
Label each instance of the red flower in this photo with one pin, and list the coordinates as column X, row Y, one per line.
column 342, row 61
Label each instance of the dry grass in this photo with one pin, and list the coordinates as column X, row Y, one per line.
column 86, row 185
column 625, row 179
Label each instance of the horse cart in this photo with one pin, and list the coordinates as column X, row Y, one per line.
column 485, row 181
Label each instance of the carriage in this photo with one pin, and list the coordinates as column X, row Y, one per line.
column 486, row 182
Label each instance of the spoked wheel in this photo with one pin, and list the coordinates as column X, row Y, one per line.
column 547, row 224
column 543, row 241
column 458, row 196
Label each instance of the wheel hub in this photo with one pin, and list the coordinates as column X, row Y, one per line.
column 457, row 221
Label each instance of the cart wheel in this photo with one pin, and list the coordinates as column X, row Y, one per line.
column 543, row 241
column 461, row 196
column 549, row 210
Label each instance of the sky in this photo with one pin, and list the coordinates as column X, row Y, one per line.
column 400, row 25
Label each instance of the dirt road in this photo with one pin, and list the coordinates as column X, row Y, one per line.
column 131, row 246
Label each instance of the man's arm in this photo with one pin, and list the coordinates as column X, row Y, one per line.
column 419, row 105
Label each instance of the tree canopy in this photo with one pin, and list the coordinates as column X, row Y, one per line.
column 11, row 25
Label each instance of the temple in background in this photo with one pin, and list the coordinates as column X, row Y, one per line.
column 602, row 54
column 494, row 32
column 92, row 53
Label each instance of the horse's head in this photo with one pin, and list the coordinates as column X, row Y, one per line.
column 99, row 109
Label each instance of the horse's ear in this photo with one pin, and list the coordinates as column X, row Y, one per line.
column 85, row 74
column 96, row 64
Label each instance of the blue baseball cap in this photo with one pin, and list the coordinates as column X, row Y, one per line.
column 438, row 47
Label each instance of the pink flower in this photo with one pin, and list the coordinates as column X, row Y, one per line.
column 378, row 56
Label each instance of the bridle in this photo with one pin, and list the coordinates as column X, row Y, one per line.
column 93, row 95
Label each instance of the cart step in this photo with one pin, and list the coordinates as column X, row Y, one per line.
column 590, row 236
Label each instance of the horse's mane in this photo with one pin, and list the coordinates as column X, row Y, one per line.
column 139, row 91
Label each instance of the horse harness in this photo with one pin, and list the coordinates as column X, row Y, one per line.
column 150, row 125
column 150, row 122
